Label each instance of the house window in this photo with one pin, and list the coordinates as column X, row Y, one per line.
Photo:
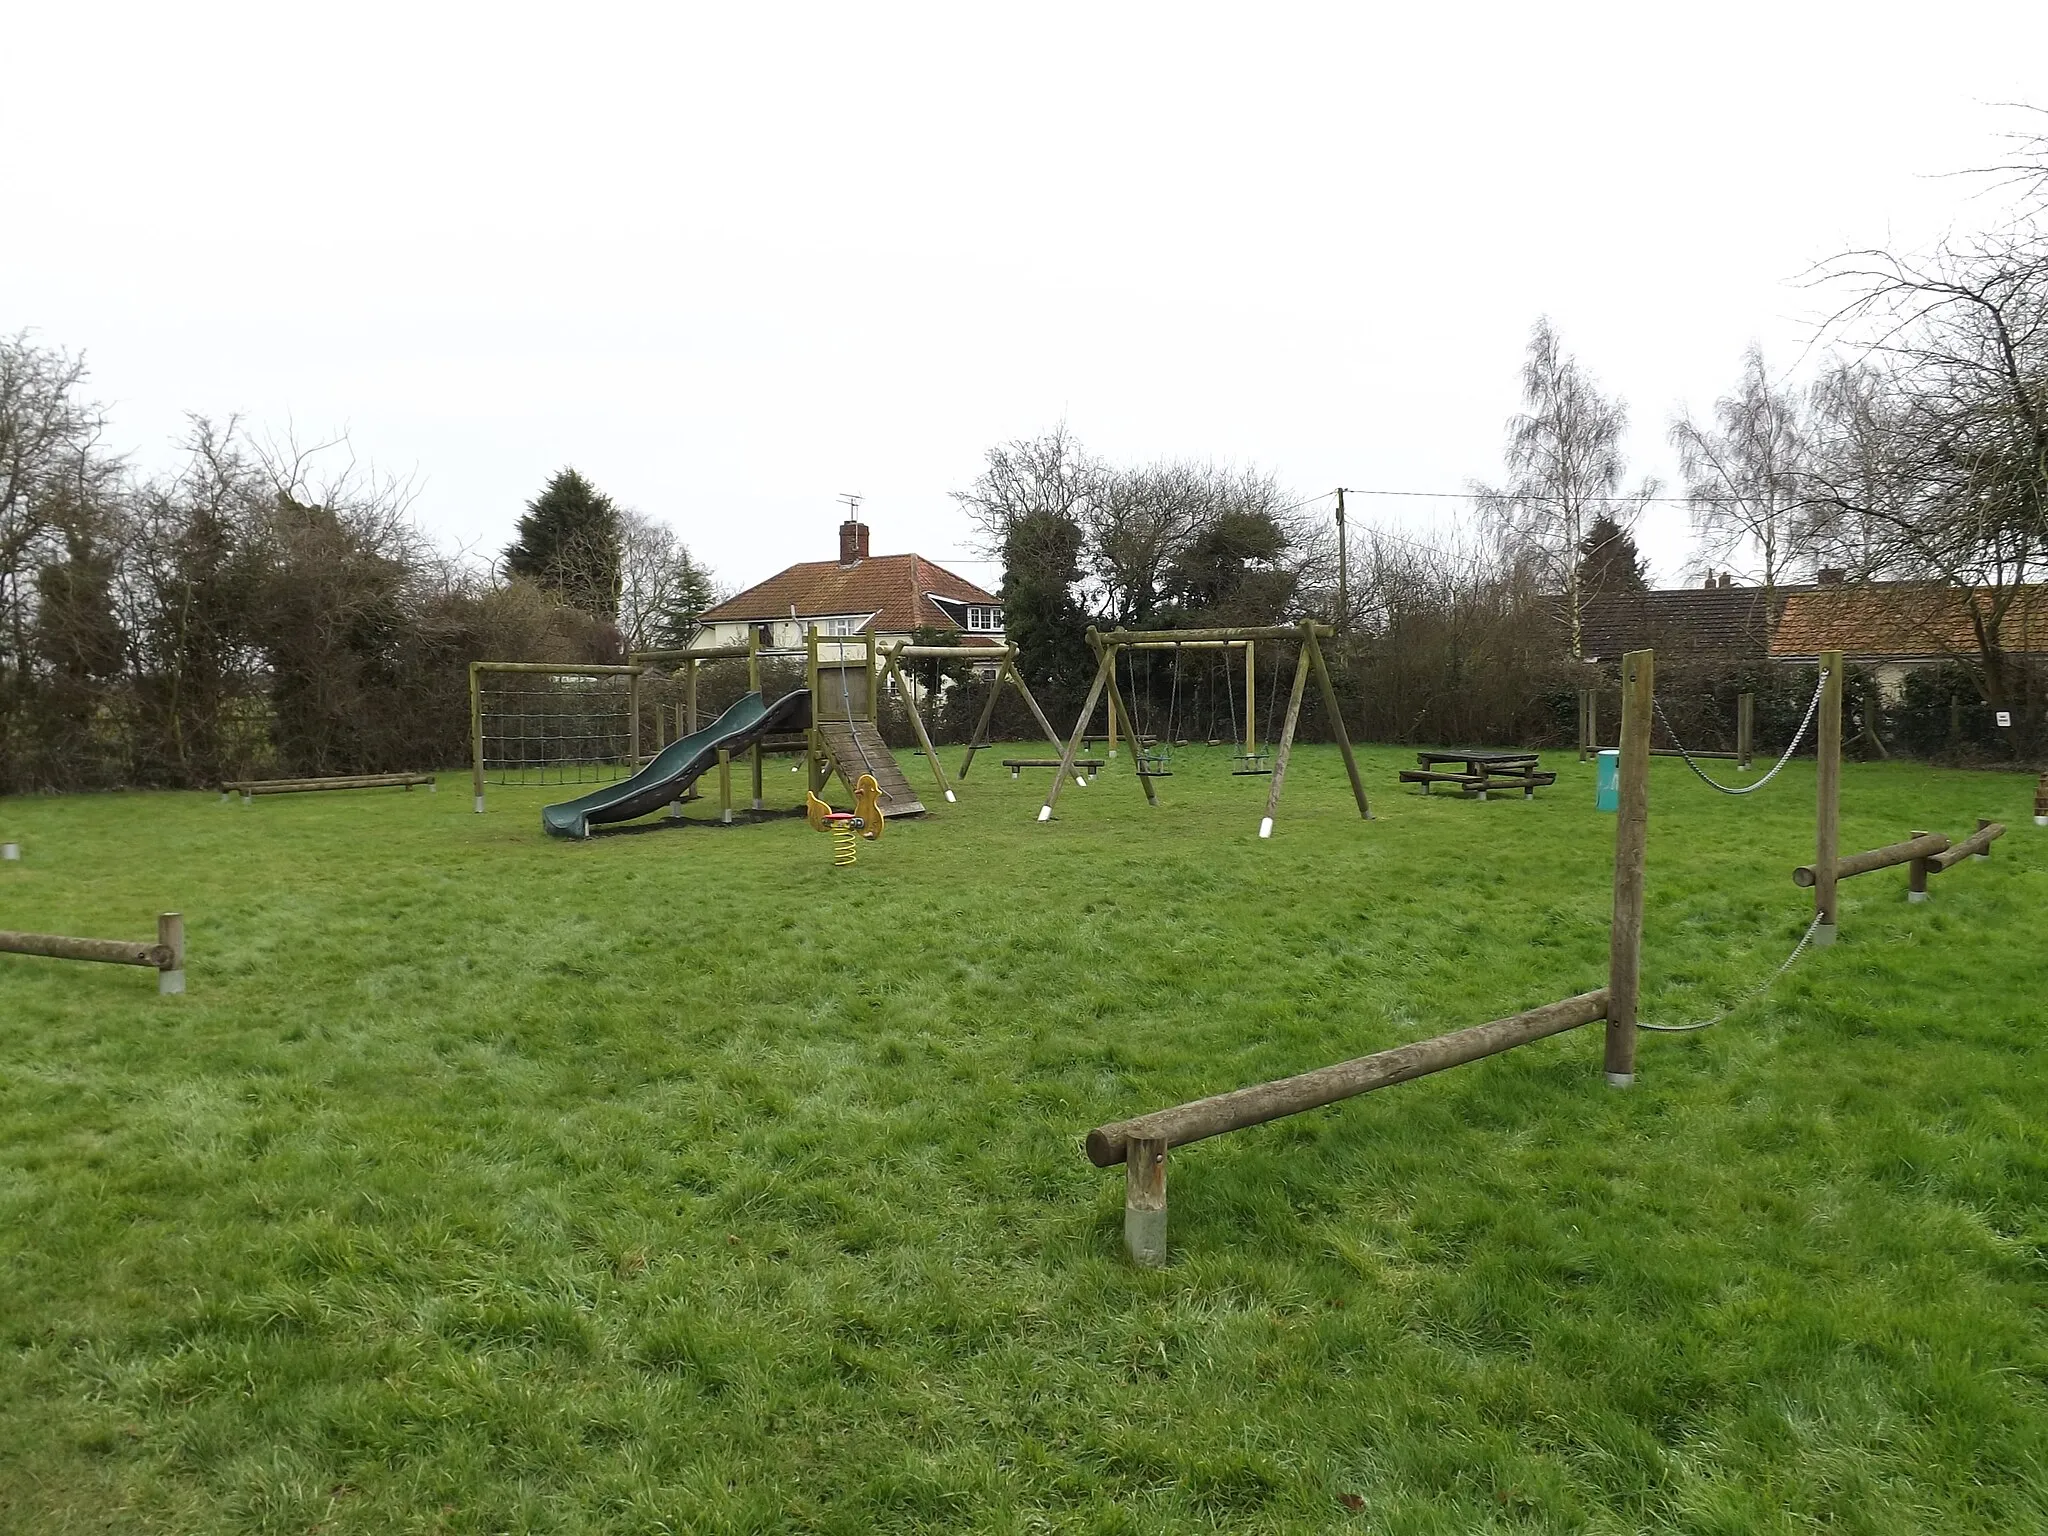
column 839, row 628
column 765, row 633
column 983, row 620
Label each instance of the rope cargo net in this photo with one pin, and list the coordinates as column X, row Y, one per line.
column 571, row 731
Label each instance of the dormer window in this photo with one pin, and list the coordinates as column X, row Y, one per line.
column 984, row 620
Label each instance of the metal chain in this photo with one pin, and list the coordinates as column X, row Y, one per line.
column 1744, row 789
column 1746, row 999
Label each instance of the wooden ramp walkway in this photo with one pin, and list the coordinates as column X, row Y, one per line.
column 857, row 749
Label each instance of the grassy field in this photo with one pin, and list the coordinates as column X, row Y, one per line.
column 680, row 1182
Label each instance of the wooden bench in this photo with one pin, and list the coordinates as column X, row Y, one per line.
column 1081, row 764
column 249, row 788
column 1528, row 780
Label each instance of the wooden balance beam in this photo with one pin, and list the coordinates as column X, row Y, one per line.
column 166, row 956
column 249, row 788
column 1929, row 853
column 1085, row 764
column 1141, row 1144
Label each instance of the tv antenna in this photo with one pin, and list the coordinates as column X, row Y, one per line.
column 853, row 501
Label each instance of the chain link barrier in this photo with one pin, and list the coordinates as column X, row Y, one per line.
column 1798, row 736
column 1747, row 998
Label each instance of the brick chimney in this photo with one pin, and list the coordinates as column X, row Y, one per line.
column 1727, row 580
column 1710, row 582
column 853, row 542
column 1832, row 576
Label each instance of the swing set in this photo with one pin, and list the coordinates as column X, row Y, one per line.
column 1152, row 754
column 893, row 658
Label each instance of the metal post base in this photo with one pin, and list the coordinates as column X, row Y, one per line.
column 1824, row 935
column 170, row 983
column 1621, row 1079
column 1916, row 895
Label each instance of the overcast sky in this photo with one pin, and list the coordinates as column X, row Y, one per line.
column 733, row 263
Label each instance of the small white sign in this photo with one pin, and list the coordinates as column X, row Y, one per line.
column 2005, row 717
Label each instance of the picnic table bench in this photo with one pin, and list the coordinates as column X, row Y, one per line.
column 1476, row 772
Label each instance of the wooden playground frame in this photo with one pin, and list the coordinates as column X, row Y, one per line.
column 1006, row 671
column 1309, row 658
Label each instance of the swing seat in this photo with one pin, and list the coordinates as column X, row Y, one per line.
column 1249, row 764
column 1154, row 765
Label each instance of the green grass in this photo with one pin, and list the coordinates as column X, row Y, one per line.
column 680, row 1182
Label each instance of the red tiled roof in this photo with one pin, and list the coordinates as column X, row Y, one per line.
column 1901, row 620
column 897, row 589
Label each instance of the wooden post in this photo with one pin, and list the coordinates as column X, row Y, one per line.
column 725, row 785
column 1631, row 842
column 1145, row 1201
column 2041, row 802
column 1286, row 748
column 1116, row 700
column 1745, row 729
column 931, row 754
column 1827, row 840
column 757, row 776
column 1251, row 697
column 753, row 658
column 170, row 936
column 1983, row 852
column 1955, row 720
column 1109, row 722
column 1017, row 682
column 633, row 709
column 1916, row 874
column 1104, row 659
column 690, row 697
column 1585, row 734
column 1329, row 688
column 476, row 737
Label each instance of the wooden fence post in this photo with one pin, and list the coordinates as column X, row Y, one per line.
column 476, row 738
column 1916, row 875
column 1145, row 1202
column 1631, row 841
column 1827, row 834
column 1745, row 730
column 725, row 785
column 170, row 935
column 2041, row 802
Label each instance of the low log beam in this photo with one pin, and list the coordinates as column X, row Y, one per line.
column 1108, row 1145
column 1976, row 845
column 1924, row 846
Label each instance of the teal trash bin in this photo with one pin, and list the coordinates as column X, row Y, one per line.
column 1607, row 787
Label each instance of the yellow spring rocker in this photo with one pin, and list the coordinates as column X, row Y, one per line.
column 848, row 827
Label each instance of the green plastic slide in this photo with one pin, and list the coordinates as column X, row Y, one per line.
column 677, row 766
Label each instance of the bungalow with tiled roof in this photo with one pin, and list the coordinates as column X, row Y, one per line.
column 1899, row 627
column 1716, row 619
column 886, row 597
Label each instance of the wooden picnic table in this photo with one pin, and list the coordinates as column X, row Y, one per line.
column 1474, row 772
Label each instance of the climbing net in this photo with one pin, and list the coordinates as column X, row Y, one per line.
column 542, row 729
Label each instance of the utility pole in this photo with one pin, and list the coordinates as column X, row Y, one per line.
column 1343, row 567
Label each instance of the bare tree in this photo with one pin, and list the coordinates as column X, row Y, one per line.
column 662, row 588
column 1565, row 469
column 1937, row 458
column 1744, row 476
